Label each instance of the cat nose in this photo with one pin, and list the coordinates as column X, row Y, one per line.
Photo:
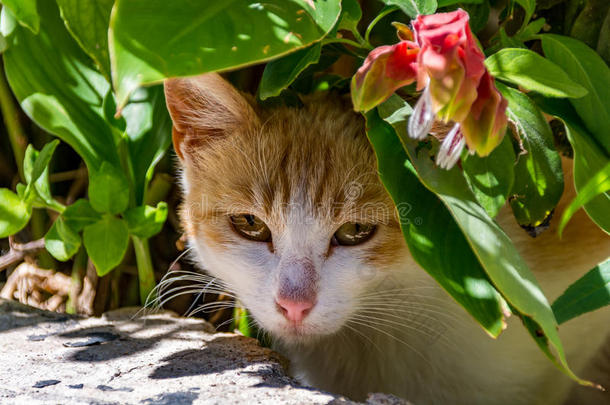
column 294, row 311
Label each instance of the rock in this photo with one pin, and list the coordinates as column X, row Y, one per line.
column 156, row 359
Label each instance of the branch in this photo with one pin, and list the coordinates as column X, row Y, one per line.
column 18, row 251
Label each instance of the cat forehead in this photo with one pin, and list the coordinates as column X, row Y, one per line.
column 307, row 162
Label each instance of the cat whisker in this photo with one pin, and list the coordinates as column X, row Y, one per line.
column 408, row 307
column 419, row 327
column 415, row 326
column 355, row 330
column 408, row 313
column 379, row 330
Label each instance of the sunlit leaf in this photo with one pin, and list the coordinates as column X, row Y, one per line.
column 25, row 12
column 538, row 174
column 597, row 185
column 532, row 72
column 106, row 242
column 108, row 190
column 491, row 178
column 146, row 46
column 148, row 130
column 62, row 241
column 39, row 67
column 80, row 214
column 511, row 276
column 146, row 221
column 421, row 214
column 87, row 21
column 14, row 213
column 587, row 68
column 590, row 292
column 589, row 157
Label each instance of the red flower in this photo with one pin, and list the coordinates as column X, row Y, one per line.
column 449, row 62
column 449, row 68
column 386, row 69
column 485, row 125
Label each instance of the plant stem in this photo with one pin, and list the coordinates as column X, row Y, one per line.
column 382, row 14
column 146, row 272
column 76, row 284
column 10, row 114
column 38, row 227
column 363, row 42
column 344, row 41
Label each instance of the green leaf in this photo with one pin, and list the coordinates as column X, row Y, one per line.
column 413, row 8
column 597, row 185
column 25, row 12
column 106, row 242
column 148, row 130
column 478, row 12
column 146, row 46
column 603, row 42
column 529, row 6
column 280, row 73
column 28, row 162
column 109, row 107
column 57, row 87
column 446, row 3
column 87, row 21
column 108, row 190
column 3, row 43
column 350, row 15
column 529, row 32
column 588, row 24
column 538, row 174
column 43, row 159
column 587, row 68
column 589, row 158
column 532, row 72
column 511, row 276
column 62, row 241
column 590, row 292
column 421, row 215
column 491, row 178
column 80, row 214
column 146, row 221
column 14, row 213
column 36, row 173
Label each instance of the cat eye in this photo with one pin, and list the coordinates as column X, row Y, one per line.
column 251, row 227
column 353, row 233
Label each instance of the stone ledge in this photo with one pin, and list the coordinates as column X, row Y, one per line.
column 157, row 359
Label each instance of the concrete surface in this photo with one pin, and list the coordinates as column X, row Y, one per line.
column 157, row 359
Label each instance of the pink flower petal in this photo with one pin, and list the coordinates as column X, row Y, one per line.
column 422, row 119
column 451, row 148
column 386, row 69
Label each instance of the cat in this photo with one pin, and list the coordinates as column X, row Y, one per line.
column 285, row 208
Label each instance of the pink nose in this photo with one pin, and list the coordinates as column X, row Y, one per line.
column 294, row 311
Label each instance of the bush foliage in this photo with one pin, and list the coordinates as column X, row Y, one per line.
column 89, row 72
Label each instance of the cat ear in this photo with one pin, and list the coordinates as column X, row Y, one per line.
column 204, row 107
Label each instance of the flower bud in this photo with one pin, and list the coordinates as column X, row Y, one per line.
column 451, row 60
column 486, row 122
column 385, row 70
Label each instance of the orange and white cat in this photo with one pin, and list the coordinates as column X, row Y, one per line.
column 277, row 206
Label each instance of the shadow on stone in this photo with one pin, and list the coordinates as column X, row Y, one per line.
column 108, row 343
column 218, row 355
column 173, row 398
column 14, row 315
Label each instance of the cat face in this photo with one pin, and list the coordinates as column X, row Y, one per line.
column 284, row 206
